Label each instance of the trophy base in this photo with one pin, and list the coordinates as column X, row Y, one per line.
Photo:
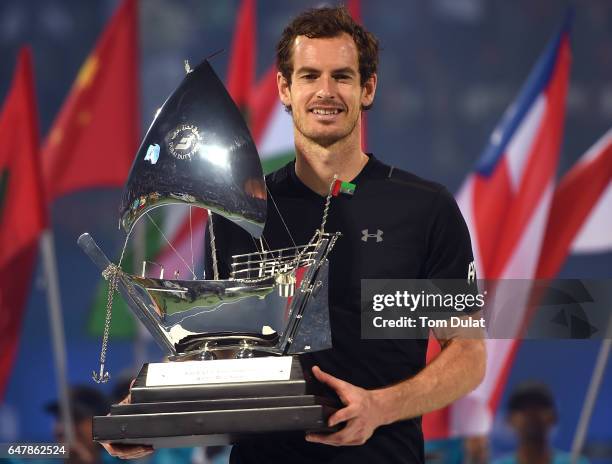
column 216, row 413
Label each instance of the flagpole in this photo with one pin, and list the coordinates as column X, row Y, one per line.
column 47, row 249
column 591, row 396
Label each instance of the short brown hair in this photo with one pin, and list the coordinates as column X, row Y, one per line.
column 325, row 23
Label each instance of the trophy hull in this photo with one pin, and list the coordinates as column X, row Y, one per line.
column 191, row 317
column 217, row 413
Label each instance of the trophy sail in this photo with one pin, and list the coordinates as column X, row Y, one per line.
column 198, row 151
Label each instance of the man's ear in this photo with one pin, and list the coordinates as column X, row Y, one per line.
column 369, row 90
column 284, row 91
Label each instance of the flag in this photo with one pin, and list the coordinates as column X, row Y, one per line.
column 342, row 187
column 94, row 138
column 581, row 212
column 354, row 8
column 241, row 71
column 23, row 213
column 506, row 203
column 271, row 125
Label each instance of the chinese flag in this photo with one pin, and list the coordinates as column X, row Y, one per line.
column 95, row 136
column 22, row 207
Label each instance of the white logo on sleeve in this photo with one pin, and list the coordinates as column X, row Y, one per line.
column 378, row 235
column 471, row 277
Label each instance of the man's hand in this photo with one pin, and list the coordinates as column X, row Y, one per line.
column 361, row 413
column 127, row 451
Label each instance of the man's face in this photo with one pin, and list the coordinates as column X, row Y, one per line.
column 533, row 424
column 325, row 94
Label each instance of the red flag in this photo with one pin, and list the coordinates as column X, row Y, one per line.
column 241, row 71
column 95, row 136
column 581, row 212
column 506, row 203
column 262, row 104
column 23, row 213
column 354, row 8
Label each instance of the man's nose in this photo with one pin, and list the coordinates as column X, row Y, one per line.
column 327, row 87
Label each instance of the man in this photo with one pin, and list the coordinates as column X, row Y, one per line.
column 532, row 414
column 85, row 403
column 327, row 76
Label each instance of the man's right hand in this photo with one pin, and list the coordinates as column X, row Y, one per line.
column 127, row 451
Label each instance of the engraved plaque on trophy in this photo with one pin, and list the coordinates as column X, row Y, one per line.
column 231, row 342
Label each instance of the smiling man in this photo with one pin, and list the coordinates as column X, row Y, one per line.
column 396, row 225
column 325, row 79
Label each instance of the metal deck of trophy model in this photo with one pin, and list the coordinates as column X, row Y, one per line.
column 198, row 152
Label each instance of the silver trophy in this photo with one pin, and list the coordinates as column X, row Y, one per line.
column 229, row 341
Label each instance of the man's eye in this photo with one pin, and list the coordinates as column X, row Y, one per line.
column 309, row 76
column 342, row 77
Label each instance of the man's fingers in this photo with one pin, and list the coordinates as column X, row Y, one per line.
column 329, row 379
column 127, row 451
column 132, row 454
column 128, row 398
column 140, row 454
column 341, row 438
column 325, row 439
column 342, row 415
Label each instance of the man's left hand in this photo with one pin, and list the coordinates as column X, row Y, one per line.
column 361, row 413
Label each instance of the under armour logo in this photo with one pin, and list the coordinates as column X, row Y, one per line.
column 378, row 235
column 471, row 277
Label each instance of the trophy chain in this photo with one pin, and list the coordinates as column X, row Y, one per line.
column 111, row 274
